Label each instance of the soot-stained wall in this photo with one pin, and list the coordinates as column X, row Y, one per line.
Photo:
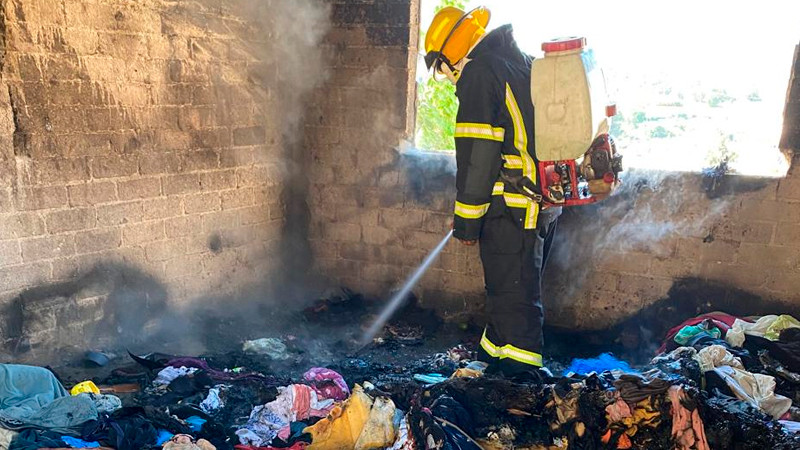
column 144, row 153
column 376, row 211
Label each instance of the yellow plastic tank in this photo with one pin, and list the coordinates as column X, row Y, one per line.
column 569, row 99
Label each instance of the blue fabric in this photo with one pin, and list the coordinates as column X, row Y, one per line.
column 195, row 423
column 163, row 436
column 603, row 362
column 28, row 388
column 32, row 397
column 430, row 379
column 77, row 443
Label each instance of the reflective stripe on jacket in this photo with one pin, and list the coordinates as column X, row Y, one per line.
column 494, row 132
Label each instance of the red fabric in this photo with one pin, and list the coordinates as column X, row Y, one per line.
column 721, row 320
column 295, row 446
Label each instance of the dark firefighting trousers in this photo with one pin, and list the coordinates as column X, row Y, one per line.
column 513, row 261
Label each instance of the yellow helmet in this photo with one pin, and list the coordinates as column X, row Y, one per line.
column 453, row 33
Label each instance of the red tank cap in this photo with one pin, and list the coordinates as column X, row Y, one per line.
column 564, row 44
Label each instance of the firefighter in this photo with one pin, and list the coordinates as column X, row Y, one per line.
column 498, row 203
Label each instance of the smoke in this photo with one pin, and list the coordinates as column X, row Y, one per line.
column 647, row 214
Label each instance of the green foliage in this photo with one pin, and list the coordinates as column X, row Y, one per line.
column 660, row 132
column 436, row 113
column 457, row 3
column 719, row 97
column 639, row 117
column 617, row 129
column 754, row 97
column 722, row 156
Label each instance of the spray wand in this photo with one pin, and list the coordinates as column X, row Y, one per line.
column 398, row 298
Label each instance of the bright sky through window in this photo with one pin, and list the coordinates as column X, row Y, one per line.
column 696, row 81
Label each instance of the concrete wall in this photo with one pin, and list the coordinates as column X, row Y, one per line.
column 142, row 143
column 376, row 212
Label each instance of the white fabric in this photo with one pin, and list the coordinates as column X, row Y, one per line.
column 6, row 436
column 735, row 335
column 213, row 401
column 169, row 374
column 717, row 356
column 756, row 389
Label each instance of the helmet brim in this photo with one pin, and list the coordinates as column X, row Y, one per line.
column 481, row 14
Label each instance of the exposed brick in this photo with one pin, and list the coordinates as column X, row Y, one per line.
column 182, row 226
column 70, row 220
column 13, row 278
column 342, row 232
column 181, row 184
column 763, row 256
column 646, row 287
column 10, row 253
column 200, row 203
column 59, row 171
column 638, row 263
column 200, row 160
column 97, row 240
column 788, row 234
column 218, row 180
column 160, row 208
column 237, row 198
column 20, row 225
column 183, row 266
column 92, row 193
column 113, row 166
column 249, row 136
column 141, row 188
column 216, row 221
column 402, row 219
column 379, row 235
column 154, row 164
column 140, row 233
column 164, row 250
column 49, row 247
column 120, row 213
column 718, row 250
column 41, row 198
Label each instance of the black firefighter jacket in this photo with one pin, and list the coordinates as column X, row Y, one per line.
column 494, row 132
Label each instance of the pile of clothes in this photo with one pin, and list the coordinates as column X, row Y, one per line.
column 717, row 382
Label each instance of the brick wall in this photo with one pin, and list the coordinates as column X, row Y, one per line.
column 142, row 143
column 377, row 211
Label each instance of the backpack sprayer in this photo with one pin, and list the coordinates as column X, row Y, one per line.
column 572, row 114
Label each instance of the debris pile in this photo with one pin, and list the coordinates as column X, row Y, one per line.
column 718, row 382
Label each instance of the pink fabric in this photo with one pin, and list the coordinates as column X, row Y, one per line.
column 302, row 407
column 327, row 383
column 618, row 410
column 687, row 427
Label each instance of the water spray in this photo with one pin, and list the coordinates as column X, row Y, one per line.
column 398, row 298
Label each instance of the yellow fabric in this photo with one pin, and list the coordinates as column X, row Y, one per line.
column 479, row 131
column 358, row 423
column 512, row 162
column 498, row 188
column 471, row 211
column 467, row 373
column 528, row 164
column 783, row 322
column 85, row 387
column 461, row 39
column 509, row 351
column 379, row 430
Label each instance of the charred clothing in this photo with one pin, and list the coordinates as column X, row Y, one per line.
column 494, row 150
